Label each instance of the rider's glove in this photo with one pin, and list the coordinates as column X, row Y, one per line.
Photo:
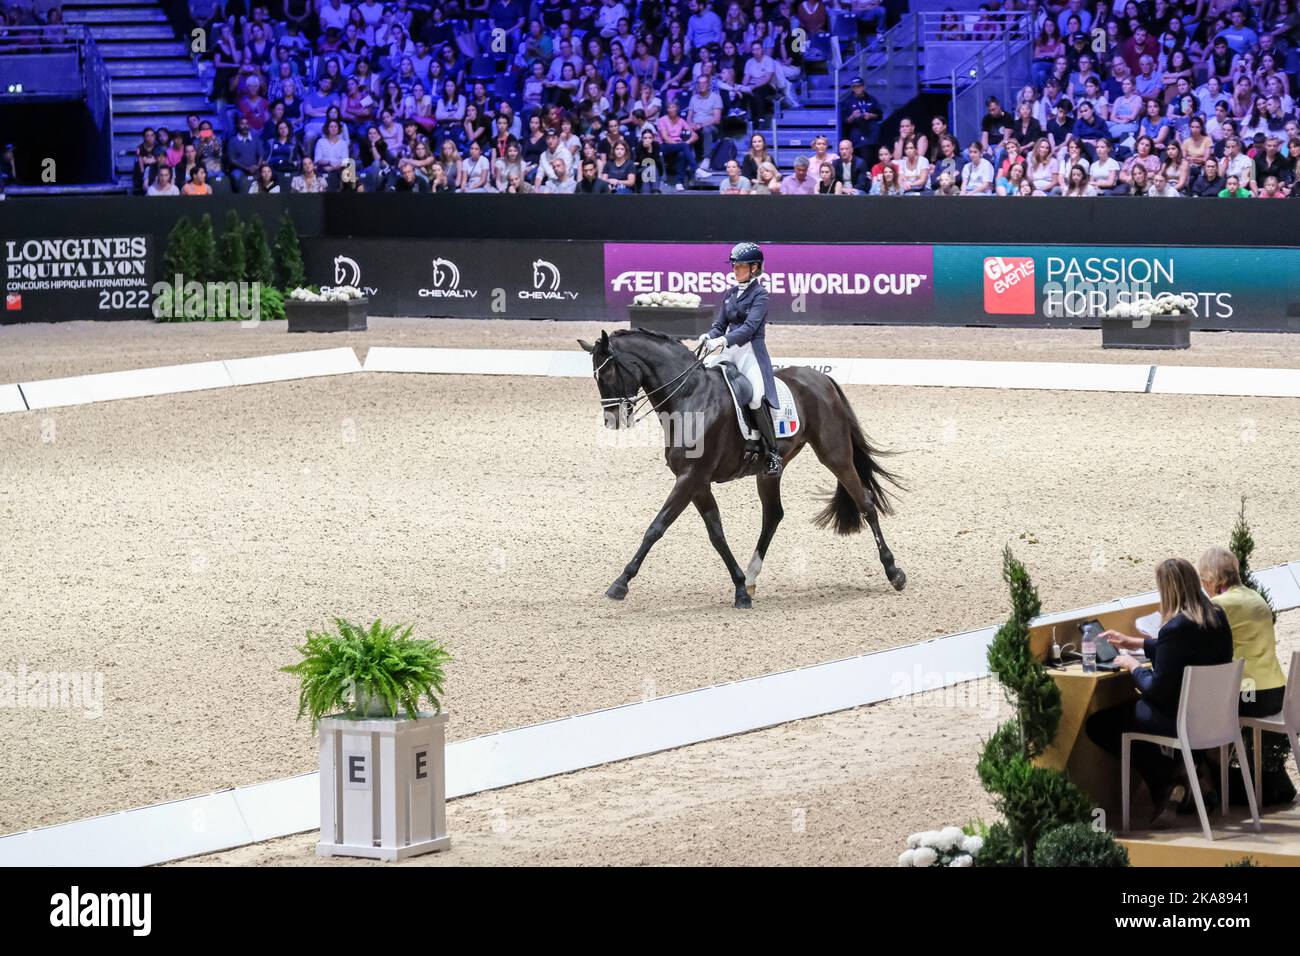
column 704, row 337
column 719, row 343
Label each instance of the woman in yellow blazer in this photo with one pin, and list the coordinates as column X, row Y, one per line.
column 1263, row 684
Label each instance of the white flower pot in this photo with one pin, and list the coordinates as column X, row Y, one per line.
column 365, row 704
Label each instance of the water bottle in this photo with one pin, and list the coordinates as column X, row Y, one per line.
column 1089, row 647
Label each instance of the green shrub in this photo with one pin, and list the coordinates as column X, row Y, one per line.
column 1242, row 546
column 230, row 250
column 204, row 262
column 339, row 667
column 1000, row 848
column 289, row 270
column 259, row 264
column 1032, row 799
column 179, row 257
column 1079, row 844
column 271, row 303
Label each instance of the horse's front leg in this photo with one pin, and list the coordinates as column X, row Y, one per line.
column 683, row 491
column 708, row 508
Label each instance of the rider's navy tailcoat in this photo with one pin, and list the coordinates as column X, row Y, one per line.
column 742, row 317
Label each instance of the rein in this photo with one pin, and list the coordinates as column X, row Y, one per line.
column 633, row 402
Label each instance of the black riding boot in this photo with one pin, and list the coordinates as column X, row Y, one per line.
column 772, row 463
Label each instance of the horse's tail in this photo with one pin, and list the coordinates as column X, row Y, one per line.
column 841, row 510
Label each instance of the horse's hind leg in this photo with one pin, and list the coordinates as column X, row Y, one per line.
column 769, row 494
column 842, row 466
column 892, row 571
column 708, row 508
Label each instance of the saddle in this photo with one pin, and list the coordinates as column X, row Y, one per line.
column 785, row 418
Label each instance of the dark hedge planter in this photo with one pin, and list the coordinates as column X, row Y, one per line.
column 679, row 323
column 1164, row 332
column 349, row 316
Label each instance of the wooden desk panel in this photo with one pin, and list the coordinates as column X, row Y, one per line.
column 1091, row 769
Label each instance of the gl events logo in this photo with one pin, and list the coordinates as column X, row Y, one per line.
column 1009, row 285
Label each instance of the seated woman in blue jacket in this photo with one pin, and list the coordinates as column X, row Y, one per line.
column 1195, row 633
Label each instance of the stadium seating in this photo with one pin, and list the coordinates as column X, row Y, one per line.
column 180, row 67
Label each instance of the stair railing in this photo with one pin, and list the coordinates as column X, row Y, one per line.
column 996, row 68
column 890, row 68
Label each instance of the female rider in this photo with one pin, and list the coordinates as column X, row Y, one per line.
column 738, row 330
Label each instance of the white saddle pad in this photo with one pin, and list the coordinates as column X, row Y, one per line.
column 785, row 419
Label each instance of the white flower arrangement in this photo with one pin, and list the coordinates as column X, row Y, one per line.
column 1166, row 303
column 951, row 846
column 338, row 293
column 668, row 300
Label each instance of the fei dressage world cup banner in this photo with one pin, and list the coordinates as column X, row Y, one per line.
column 840, row 284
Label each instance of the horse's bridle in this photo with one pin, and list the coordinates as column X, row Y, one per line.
column 631, row 403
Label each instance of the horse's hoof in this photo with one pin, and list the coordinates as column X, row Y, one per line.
column 750, row 589
column 617, row 591
column 898, row 579
column 743, row 602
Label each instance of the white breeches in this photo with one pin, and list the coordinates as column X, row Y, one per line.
column 742, row 356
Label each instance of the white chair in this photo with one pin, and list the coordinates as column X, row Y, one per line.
column 1285, row 722
column 1207, row 719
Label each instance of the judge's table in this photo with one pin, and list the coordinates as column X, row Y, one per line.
column 1091, row 769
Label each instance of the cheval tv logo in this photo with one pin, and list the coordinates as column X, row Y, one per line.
column 348, row 273
column 445, row 279
column 1009, row 285
column 546, row 283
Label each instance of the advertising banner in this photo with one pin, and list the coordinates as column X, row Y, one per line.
column 807, row 283
column 471, row 279
column 83, row 277
column 1236, row 289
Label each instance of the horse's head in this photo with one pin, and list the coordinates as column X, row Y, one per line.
column 617, row 379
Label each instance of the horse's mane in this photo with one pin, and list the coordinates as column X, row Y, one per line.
column 653, row 333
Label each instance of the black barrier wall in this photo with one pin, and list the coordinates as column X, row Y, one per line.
column 468, row 278
column 930, row 260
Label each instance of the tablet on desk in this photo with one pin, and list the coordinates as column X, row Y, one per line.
column 1093, row 630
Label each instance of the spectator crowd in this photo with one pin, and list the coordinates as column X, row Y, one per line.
column 1145, row 98
column 614, row 96
column 1155, row 98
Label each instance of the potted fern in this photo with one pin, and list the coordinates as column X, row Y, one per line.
column 382, row 759
column 367, row 672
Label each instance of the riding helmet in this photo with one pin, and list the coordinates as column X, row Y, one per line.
column 746, row 252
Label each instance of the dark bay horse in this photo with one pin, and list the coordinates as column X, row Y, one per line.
column 703, row 445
